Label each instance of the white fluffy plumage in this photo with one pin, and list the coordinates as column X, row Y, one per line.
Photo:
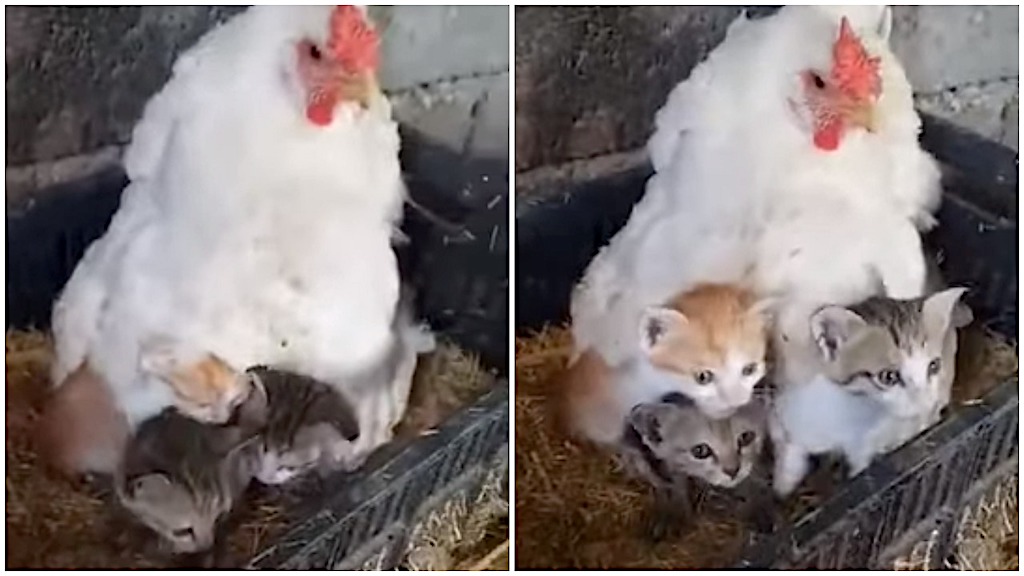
column 740, row 193
column 246, row 231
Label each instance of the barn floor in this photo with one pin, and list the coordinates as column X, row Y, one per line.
column 53, row 523
column 575, row 509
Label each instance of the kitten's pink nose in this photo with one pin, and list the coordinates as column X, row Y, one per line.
column 731, row 471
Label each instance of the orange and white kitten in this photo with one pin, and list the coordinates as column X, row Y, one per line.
column 708, row 343
column 82, row 428
column 202, row 385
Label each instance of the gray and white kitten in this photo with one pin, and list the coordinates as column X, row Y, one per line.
column 179, row 477
column 302, row 424
column 671, row 443
column 886, row 372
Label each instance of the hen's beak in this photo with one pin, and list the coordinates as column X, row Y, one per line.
column 361, row 88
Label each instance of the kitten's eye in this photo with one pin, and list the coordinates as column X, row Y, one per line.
column 314, row 52
column 705, row 377
column 701, row 451
column 182, row 533
column 934, row 366
column 889, row 377
column 749, row 369
column 818, row 81
column 746, row 439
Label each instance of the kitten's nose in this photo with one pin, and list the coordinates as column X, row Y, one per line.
column 731, row 471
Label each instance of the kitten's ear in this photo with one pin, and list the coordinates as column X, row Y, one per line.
column 944, row 309
column 656, row 323
column 180, row 364
column 765, row 307
column 832, row 327
column 254, row 411
column 646, row 420
column 160, row 356
column 962, row 315
column 238, row 467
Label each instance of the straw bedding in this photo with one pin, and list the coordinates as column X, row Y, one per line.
column 465, row 534
column 986, row 538
column 576, row 509
column 56, row 523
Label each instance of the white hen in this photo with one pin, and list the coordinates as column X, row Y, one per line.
column 790, row 153
column 265, row 188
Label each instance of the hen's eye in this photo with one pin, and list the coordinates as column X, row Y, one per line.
column 701, row 451
column 746, row 439
column 705, row 377
column 818, row 81
column 314, row 52
column 889, row 377
column 749, row 369
column 184, row 533
column 934, row 366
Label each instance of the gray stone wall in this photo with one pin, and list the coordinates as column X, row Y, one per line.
column 78, row 78
column 589, row 80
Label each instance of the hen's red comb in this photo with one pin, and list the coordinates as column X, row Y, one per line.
column 352, row 40
column 853, row 71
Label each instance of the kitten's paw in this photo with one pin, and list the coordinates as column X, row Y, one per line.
column 350, row 462
column 857, row 463
column 791, row 466
column 783, row 486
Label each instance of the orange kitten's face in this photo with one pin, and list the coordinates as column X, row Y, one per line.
column 209, row 390
column 205, row 387
column 714, row 339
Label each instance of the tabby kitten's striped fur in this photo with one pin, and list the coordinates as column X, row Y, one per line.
column 302, row 424
column 179, row 477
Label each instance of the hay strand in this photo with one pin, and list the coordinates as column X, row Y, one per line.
column 492, row 557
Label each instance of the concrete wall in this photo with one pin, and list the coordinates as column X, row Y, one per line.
column 589, row 80
column 78, row 78
column 963, row 62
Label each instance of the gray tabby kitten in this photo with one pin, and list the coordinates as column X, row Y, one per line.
column 672, row 443
column 180, row 476
column 886, row 372
column 303, row 424
column 306, row 425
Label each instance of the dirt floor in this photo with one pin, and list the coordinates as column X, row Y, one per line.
column 53, row 523
column 576, row 509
